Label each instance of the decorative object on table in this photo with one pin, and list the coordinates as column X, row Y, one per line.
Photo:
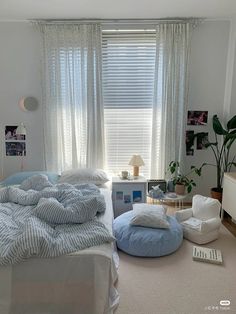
column 189, row 141
column 124, row 174
column 182, row 181
column 136, row 161
column 152, row 182
column 170, row 186
column 201, row 223
column 28, row 103
column 221, row 148
column 156, row 192
column 197, row 117
column 15, row 140
column 208, row 255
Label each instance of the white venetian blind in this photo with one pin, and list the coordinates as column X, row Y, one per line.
column 128, row 75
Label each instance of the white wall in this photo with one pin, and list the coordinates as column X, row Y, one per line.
column 207, row 87
column 233, row 95
column 20, row 76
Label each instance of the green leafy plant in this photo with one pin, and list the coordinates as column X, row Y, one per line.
column 221, row 148
column 183, row 179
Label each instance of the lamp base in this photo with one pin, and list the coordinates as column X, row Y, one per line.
column 136, row 171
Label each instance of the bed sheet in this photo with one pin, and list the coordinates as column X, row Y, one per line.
column 79, row 283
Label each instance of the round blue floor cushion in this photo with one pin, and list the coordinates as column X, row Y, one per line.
column 143, row 241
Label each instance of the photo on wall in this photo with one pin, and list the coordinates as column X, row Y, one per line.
column 15, row 149
column 202, row 140
column 127, row 199
column 189, row 140
column 197, row 117
column 137, row 196
column 10, row 134
column 119, row 196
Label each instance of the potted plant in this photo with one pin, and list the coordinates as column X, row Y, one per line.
column 221, row 148
column 183, row 181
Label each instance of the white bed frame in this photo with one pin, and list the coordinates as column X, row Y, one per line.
column 79, row 283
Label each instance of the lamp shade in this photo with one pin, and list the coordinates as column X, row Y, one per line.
column 136, row 161
column 21, row 129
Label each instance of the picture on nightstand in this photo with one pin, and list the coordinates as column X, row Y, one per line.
column 119, row 196
column 127, row 199
column 137, row 196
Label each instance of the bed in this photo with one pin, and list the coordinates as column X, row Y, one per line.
column 78, row 283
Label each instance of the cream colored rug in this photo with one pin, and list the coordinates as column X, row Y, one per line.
column 176, row 284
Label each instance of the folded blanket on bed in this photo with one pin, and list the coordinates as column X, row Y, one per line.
column 50, row 220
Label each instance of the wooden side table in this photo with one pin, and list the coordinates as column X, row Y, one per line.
column 126, row 192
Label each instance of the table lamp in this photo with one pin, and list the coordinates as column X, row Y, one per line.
column 136, row 161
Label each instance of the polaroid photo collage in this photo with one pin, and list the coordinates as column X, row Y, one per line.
column 134, row 197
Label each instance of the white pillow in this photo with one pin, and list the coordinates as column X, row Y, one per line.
column 152, row 216
column 84, row 175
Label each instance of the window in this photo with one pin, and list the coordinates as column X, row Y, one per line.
column 128, row 77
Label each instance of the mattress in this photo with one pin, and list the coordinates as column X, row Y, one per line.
column 79, row 283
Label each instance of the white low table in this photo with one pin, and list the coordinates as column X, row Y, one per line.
column 178, row 200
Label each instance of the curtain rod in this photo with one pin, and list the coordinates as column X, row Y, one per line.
column 117, row 21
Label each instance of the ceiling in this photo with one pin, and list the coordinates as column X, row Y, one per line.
column 114, row 9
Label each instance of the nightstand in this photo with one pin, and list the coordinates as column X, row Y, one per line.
column 126, row 192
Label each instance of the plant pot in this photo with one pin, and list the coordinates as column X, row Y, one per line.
column 180, row 189
column 217, row 194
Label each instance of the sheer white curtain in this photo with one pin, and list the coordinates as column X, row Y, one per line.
column 72, row 90
column 170, row 95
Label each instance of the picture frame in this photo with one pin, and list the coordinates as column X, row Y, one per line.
column 137, row 196
column 15, row 148
column 197, row 117
column 10, row 134
column 202, row 140
column 189, row 141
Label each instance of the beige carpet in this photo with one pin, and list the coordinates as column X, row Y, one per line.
column 175, row 284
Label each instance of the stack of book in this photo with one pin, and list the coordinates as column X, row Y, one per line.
column 208, row 255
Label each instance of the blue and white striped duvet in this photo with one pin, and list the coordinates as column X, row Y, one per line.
column 55, row 220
